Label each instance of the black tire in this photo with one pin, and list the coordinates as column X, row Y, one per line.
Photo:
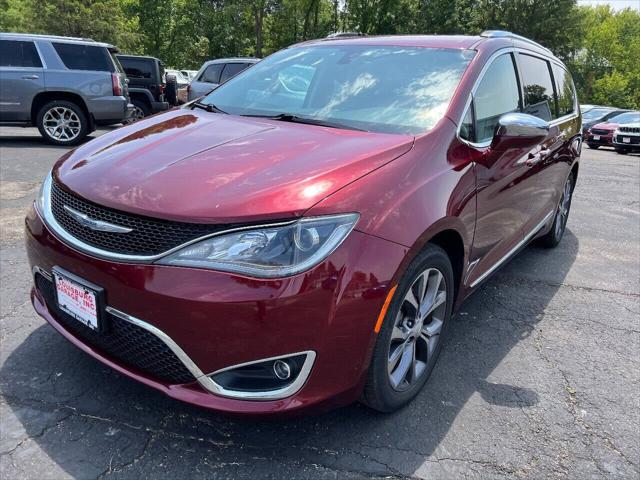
column 379, row 393
column 171, row 90
column 79, row 124
column 621, row 151
column 142, row 109
column 593, row 146
column 552, row 238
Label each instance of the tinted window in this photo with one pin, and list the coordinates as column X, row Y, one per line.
column 84, row 57
column 538, row 88
column 212, row 73
column 18, row 54
column 231, row 70
column 623, row 118
column 378, row 88
column 466, row 128
column 564, row 87
column 137, row 68
column 497, row 94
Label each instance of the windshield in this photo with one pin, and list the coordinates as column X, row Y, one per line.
column 374, row 88
column 628, row 117
column 595, row 114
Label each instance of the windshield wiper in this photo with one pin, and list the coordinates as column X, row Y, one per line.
column 289, row 117
column 209, row 107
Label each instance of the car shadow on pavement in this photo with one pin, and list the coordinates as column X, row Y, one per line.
column 90, row 420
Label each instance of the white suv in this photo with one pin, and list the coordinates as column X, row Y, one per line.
column 626, row 138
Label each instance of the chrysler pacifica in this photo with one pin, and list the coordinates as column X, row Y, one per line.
column 299, row 238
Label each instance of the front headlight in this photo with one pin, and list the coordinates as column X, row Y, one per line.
column 268, row 252
column 41, row 198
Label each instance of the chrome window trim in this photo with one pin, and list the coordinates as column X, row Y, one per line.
column 476, row 84
column 204, row 380
column 514, row 250
column 70, row 240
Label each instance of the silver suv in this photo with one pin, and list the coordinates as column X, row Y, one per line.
column 64, row 86
column 215, row 72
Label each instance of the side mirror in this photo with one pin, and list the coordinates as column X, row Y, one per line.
column 518, row 130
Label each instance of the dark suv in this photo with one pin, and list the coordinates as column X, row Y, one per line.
column 65, row 86
column 147, row 87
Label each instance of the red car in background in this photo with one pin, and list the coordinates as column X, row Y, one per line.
column 300, row 237
column 601, row 134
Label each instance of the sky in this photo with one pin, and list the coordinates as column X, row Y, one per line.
column 616, row 4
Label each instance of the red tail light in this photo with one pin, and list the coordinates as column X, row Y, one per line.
column 161, row 88
column 117, row 87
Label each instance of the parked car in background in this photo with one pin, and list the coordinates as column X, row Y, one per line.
column 215, row 72
column 148, row 88
column 190, row 74
column 626, row 138
column 598, row 115
column 284, row 245
column 601, row 134
column 65, row 86
column 181, row 79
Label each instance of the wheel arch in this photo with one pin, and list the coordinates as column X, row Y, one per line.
column 42, row 98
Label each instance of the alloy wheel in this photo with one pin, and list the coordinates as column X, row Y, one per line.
column 62, row 124
column 563, row 208
column 416, row 329
column 138, row 114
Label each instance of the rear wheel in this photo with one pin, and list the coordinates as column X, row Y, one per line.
column 140, row 110
column 593, row 146
column 62, row 123
column 411, row 336
column 553, row 237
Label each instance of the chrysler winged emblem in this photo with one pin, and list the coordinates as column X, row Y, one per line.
column 93, row 224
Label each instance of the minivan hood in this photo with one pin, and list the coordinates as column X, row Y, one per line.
column 198, row 166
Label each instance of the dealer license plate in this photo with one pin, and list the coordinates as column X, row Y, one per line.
column 626, row 140
column 78, row 300
column 596, row 137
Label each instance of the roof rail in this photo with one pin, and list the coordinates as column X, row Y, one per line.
column 506, row 34
column 53, row 37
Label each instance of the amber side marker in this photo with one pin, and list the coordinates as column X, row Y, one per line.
column 385, row 307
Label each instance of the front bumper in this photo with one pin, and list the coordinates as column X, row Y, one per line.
column 159, row 107
column 632, row 145
column 219, row 319
column 602, row 140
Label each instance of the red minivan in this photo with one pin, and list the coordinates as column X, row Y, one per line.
column 299, row 238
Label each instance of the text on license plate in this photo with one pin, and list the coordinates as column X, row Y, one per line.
column 626, row 140
column 77, row 300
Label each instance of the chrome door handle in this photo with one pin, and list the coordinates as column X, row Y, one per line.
column 536, row 157
column 31, row 77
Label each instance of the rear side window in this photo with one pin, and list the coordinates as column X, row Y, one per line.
column 137, row 68
column 566, row 93
column 231, row 70
column 538, row 87
column 84, row 57
column 497, row 94
column 212, row 73
column 19, row 54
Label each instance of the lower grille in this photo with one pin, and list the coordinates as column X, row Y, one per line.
column 632, row 140
column 125, row 342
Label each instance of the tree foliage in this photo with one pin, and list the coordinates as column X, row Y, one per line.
column 601, row 46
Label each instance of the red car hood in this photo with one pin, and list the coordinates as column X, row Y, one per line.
column 197, row 166
column 606, row 126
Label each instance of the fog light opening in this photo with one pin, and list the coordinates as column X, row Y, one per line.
column 281, row 369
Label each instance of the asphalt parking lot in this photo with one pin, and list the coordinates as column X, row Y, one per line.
column 540, row 376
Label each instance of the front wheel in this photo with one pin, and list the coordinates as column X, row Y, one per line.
column 621, row 151
column 553, row 237
column 412, row 332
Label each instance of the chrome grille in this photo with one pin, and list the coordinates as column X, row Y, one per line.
column 149, row 236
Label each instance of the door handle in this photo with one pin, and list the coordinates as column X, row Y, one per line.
column 31, row 77
column 537, row 157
